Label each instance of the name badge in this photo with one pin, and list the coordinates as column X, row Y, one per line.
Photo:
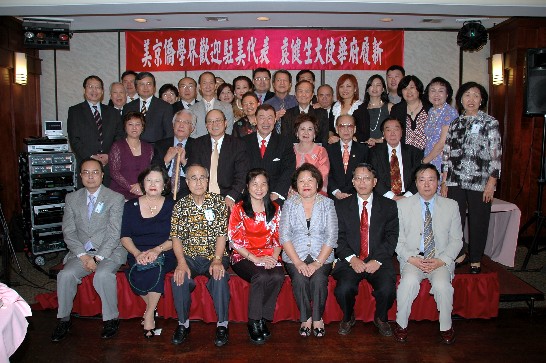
column 209, row 215
column 475, row 129
column 99, row 207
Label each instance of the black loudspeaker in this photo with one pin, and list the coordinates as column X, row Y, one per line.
column 535, row 82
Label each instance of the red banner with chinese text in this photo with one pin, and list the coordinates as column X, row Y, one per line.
column 186, row 50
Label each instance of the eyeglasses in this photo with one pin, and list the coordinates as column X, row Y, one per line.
column 90, row 172
column 145, row 84
column 363, row 178
column 185, row 122
column 217, row 121
column 187, row 86
column 346, row 126
column 93, row 87
column 258, row 79
column 194, row 179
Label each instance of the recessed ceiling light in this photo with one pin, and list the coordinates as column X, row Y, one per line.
column 140, row 20
column 217, row 18
column 262, row 18
column 386, row 20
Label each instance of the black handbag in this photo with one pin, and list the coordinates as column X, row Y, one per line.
column 159, row 262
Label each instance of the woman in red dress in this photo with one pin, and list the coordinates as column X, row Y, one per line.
column 254, row 236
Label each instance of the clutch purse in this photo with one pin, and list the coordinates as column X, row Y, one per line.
column 159, row 261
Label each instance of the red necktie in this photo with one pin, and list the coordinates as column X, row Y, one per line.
column 396, row 179
column 345, row 157
column 364, row 232
column 262, row 148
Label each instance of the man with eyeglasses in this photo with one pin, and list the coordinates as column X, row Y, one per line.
column 207, row 87
column 91, row 231
column 224, row 155
column 198, row 231
column 166, row 151
column 261, row 78
column 158, row 113
column 270, row 151
column 187, row 90
column 368, row 233
column 344, row 156
column 283, row 100
column 92, row 126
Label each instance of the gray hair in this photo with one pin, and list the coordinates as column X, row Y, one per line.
column 115, row 83
column 186, row 112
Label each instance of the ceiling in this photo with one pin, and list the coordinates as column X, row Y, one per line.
column 104, row 15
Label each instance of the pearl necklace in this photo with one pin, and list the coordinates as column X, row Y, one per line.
column 378, row 117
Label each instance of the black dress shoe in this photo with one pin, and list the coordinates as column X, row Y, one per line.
column 383, row 327
column 110, row 328
column 346, row 326
column 221, row 337
column 400, row 334
column 254, row 332
column 265, row 330
column 475, row 270
column 61, row 330
column 180, row 334
column 448, row 336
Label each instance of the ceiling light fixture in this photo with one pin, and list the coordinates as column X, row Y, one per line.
column 140, row 20
column 386, row 20
column 217, row 18
column 262, row 18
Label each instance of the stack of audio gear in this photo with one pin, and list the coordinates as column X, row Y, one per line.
column 45, row 179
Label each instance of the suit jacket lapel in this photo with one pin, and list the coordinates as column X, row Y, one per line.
column 354, row 220
column 375, row 222
column 406, row 162
column 271, row 146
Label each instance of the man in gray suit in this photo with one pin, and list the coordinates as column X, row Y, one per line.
column 207, row 87
column 91, row 230
column 429, row 240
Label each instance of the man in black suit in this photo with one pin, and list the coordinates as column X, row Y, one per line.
column 128, row 79
column 166, row 150
column 261, row 78
column 158, row 113
column 304, row 94
column 92, row 127
column 325, row 98
column 368, row 233
column 228, row 177
column 278, row 157
column 187, row 89
column 118, row 96
column 344, row 156
column 384, row 154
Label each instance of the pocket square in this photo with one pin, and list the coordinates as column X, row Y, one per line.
column 276, row 159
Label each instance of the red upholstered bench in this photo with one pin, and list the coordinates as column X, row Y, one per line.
column 476, row 296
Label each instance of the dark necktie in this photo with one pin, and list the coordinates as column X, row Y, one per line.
column 143, row 110
column 364, row 232
column 396, row 179
column 428, row 234
column 98, row 121
column 262, row 148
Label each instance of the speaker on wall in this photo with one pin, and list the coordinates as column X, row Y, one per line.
column 535, row 82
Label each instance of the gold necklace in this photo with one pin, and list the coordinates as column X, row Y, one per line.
column 153, row 209
column 415, row 109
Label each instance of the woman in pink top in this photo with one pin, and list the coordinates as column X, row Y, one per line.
column 307, row 151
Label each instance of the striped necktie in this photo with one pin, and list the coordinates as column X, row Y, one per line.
column 98, row 122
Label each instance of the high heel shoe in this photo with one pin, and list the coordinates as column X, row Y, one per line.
column 463, row 262
column 319, row 332
column 149, row 333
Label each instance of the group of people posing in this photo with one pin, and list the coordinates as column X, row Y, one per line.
column 310, row 188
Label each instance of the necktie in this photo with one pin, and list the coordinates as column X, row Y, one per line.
column 428, row 235
column 208, row 106
column 364, row 232
column 262, row 99
column 90, row 206
column 262, row 148
column 98, row 121
column 302, row 112
column 143, row 110
column 396, row 179
column 213, row 180
column 345, row 157
column 173, row 170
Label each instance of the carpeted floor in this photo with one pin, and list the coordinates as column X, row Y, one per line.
column 31, row 281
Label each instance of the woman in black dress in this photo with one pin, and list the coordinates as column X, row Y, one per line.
column 145, row 234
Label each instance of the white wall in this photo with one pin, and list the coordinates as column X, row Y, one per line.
column 427, row 54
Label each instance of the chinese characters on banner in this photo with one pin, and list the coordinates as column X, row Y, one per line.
column 186, row 50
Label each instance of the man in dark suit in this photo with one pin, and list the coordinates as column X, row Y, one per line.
column 368, row 233
column 304, row 94
column 92, row 127
column 344, row 156
column 224, row 156
column 91, row 231
column 325, row 98
column 278, row 153
column 167, row 150
column 187, row 89
column 158, row 113
column 118, row 97
column 261, row 78
column 128, row 79
column 401, row 158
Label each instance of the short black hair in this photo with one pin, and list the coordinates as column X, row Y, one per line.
column 315, row 173
column 221, row 87
column 442, row 82
column 91, row 159
column 303, row 82
column 155, row 167
column 465, row 87
column 265, row 107
column 423, row 167
column 282, row 71
column 404, row 82
column 96, row 78
column 303, row 71
column 244, row 78
column 204, row 73
column 396, row 67
column 368, row 166
column 168, row 87
column 261, row 70
column 143, row 75
column 128, row 73
column 400, row 122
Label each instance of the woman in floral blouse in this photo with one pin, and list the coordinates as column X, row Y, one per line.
column 471, row 166
column 254, row 236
